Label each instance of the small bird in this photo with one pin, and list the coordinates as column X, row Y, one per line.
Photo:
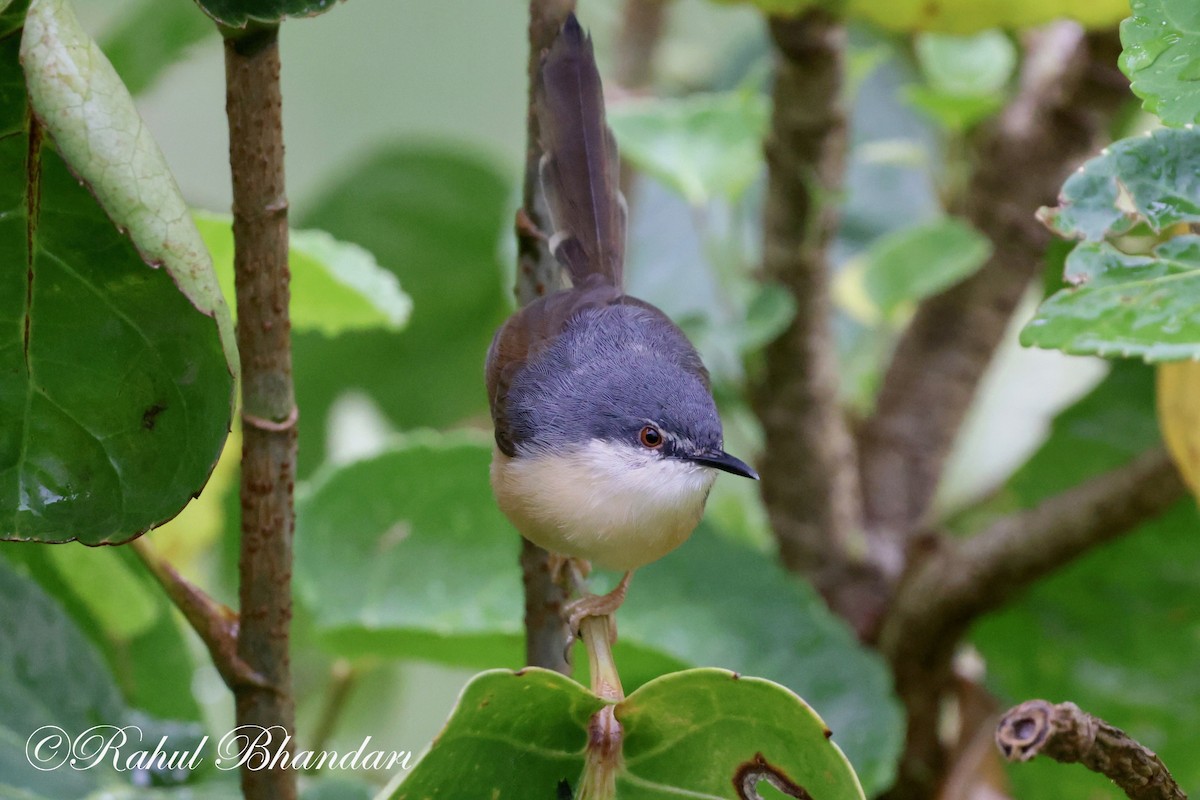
column 607, row 436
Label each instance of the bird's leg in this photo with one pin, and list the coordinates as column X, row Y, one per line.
column 597, row 605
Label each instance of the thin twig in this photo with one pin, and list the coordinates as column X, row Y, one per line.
column 1070, row 91
column 260, row 233
column 215, row 623
column 810, row 480
column 951, row 584
column 1070, row 736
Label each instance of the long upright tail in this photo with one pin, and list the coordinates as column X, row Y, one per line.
column 580, row 166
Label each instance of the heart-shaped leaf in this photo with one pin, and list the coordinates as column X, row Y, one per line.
column 116, row 379
column 703, row 733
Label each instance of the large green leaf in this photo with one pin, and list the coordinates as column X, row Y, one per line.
column 406, row 555
column 902, row 268
column 688, row 734
column 434, row 217
column 962, row 16
column 1152, row 179
column 54, row 687
column 1123, row 305
column 1162, row 58
column 151, row 37
column 113, row 601
column 244, row 13
column 1116, row 631
column 335, row 286
column 704, row 146
column 1116, row 303
column 116, row 380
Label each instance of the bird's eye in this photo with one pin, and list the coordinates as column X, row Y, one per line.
column 651, row 437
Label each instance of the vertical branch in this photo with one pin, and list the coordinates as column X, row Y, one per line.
column 1070, row 89
column 269, row 414
column 537, row 274
column 642, row 23
column 810, row 482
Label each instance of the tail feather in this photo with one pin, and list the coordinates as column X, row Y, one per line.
column 580, row 167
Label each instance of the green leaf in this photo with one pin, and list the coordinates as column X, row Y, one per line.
column 435, row 217
column 336, row 286
column 406, row 555
column 152, row 661
column 904, row 267
column 151, row 37
column 1152, row 179
column 43, row 654
column 961, row 16
column 117, row 379
column 1113, row 631
column 1162, row 58
column 954, row 112
column 241, row 13
column 55, row 687
column 1123, row 305
column 703, row 146
column 966, row 66
column 687, row 734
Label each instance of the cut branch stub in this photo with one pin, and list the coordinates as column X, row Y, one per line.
column 1069, row 735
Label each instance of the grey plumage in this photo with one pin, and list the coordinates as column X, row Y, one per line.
column 580, row 167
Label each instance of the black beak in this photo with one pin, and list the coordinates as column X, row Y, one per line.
column 726, row 463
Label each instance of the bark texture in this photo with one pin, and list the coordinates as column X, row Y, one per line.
column 810, row 480
column 1069, row 735
column 260, row 232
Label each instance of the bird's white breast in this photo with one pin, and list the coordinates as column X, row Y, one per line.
column 615, row 505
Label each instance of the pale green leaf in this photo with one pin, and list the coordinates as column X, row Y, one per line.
column 1162, row 57
column 703, row 146
column 336, row 286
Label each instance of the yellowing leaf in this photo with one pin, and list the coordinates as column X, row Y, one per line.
column 1178, row 393
column 964, row 16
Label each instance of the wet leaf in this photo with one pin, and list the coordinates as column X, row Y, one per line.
column 335, row 287
column 116, row 378
column 700, row 733
column 1161, row 56
column 1123, row 305
column 1152, row 179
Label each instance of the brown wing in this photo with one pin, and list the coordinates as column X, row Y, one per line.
column 526, row 333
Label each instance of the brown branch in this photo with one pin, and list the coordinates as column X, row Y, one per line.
column 537, row 274
column 260, row 233
column 955, row 583
column 642, row 23
column 1070, row 736
column 810, row 482
column 215, row 623
column 1070, row 90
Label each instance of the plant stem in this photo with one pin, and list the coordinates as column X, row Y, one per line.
column 605, row 735
column 537, row 274
column 260, row 232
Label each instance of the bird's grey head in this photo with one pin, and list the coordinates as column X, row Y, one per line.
column 641, row 397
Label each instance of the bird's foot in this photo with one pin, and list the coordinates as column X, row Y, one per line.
column 597, row 605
